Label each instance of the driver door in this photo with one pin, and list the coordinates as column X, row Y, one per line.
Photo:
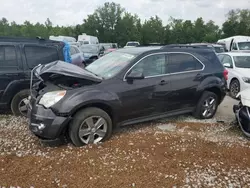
column 144, row 97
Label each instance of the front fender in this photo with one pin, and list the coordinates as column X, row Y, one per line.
column 76, row 99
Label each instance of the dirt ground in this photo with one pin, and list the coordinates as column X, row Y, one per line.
column 179, row 152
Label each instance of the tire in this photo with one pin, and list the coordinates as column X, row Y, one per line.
column 19, row 101
column 234, row 88
column 90, row 132
column 202, row 106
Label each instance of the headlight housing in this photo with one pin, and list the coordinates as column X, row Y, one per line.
column 246, row 79
column 51, row 98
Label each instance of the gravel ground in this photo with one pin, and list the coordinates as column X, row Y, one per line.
column 180, row 152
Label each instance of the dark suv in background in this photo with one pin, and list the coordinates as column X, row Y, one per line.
column 18, row 56
column 124, row 87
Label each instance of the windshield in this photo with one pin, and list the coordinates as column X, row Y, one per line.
column 219, row 49
column 132, row 44
column 110, row 65
column 242, row 61
column 244, row 45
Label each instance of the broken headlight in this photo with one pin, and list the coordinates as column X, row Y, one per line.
column 51, row 98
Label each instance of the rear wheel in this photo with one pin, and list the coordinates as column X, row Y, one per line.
column 19, row 103
column 207, row 106
column 90, row 126
column 234, row 88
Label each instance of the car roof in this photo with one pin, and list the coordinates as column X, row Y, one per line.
column 167, row 48
column 137, row 50
column 236, row 53
column 28, row 40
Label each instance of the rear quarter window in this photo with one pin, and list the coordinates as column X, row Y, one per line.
column 8, row 57
column 36, row 55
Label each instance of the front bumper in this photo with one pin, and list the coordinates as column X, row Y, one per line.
column 46, row 125
column 244, row 86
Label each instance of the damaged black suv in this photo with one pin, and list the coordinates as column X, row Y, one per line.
column 124, row 87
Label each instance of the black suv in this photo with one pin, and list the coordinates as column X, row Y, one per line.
column 124, row 87
column 17, row 57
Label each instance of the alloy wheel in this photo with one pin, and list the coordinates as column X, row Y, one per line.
column 93, row 130
column 22, row 106
column 235, row 89
column 209, row 107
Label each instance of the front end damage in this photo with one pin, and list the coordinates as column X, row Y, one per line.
column 54, row 82
column 242, row 111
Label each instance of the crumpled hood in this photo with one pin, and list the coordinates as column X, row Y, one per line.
column 66, row 69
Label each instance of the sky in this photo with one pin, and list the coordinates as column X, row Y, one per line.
column 72, row 12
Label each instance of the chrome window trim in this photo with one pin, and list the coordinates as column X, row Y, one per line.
column 161, row 53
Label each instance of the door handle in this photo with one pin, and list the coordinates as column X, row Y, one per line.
column 199, row 76
column 163, row 82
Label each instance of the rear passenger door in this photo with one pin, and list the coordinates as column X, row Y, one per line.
column 10, row 67
column 185, row 74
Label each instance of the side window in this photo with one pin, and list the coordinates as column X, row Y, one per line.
column 8, row 58
column 76, row 50
column 152, row 65
column 179, row 62
column 227, row 60
column 72, row 50
column 36, row 55
column 234, row 46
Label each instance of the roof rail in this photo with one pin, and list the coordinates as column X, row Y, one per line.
column 26, row 39
column 145, row 45
column 185, row 46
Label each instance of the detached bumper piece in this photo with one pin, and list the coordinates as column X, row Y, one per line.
column 243, row 118
column 47, row 126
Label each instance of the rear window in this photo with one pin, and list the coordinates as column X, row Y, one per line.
column 36, row 55
column 210, row 56
column 8, row 57
column 179, row 62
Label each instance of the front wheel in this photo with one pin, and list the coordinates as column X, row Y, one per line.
column 19, row 103
column 234, row 88
column 207, row 106
column 90, row 126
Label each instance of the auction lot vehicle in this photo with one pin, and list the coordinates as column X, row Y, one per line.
column 77, row 56
column 90, row 52
column 18, row 56
column 242, row 111
column 236, row 43
column 238, row 66
column 127, row 86
column 132, row 44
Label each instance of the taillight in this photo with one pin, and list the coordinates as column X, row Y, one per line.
column 225, row 74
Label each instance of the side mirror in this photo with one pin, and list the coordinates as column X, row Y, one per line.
column 227, row 65
column 135, row 75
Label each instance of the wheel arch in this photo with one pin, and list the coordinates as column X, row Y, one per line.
column 216, row 90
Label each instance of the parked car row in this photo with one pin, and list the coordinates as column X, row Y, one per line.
column 127, row 86
column 85, row 103
column 238, row 66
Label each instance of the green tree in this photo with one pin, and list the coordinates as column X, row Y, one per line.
column 153, row 31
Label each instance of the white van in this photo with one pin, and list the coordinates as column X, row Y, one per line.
column 62, row 38
column 87, row 39
column 236, row 43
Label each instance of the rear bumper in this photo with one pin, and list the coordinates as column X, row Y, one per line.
column 46, row 125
